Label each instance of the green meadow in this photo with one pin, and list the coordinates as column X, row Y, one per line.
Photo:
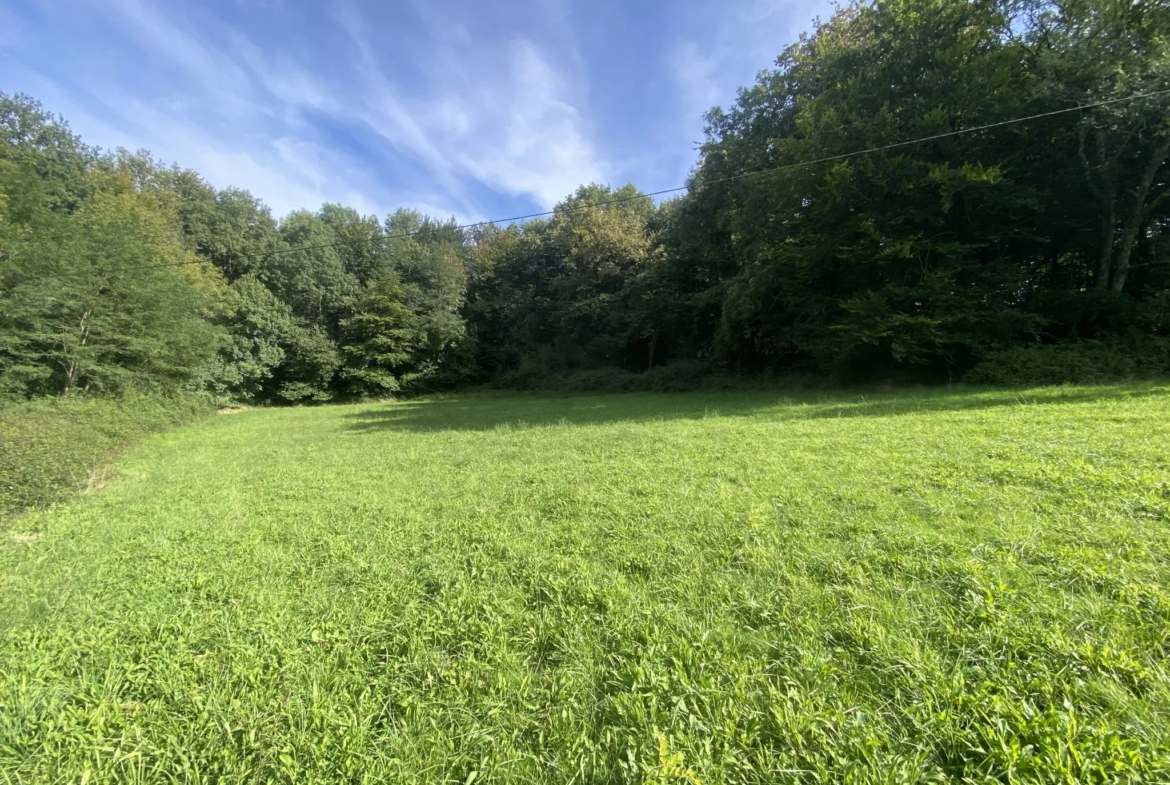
column 928, row 586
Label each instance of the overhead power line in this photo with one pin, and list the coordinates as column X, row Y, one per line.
column 652, row 194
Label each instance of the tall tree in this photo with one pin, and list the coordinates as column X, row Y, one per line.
column 379, row 340
column 1089, row 51
column 359, row 241
column 101, row 298
column 430, row 260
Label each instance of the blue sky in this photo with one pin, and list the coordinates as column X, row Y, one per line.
column 454, row 107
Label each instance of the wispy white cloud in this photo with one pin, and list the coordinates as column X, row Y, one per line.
column 539, row 143
column 725, row 50
column 520, row 131
column 224, row 117
column 457, row 107
column 736, row 45
column 206, row 67
column 697, row 77
column 256, row 116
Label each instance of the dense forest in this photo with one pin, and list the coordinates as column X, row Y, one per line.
column 1026, row 249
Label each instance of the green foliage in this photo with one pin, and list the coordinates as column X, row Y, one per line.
column 610, row 380
column 930, row 255
column 1086, row 362
column 92, row 299
column 379, row 339
column 912, row 263
column 571, row 286
column 360, row 241
column 676, row 377
column 1109, row 49
column 919, row 260
column 260, row 328
column 429, row 264
column 679, row 377
column 313, row 360
column 53, row 448
column 310, row 276
column 34, row 140
column 940, row 586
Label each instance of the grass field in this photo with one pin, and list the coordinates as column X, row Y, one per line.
column 912, row 587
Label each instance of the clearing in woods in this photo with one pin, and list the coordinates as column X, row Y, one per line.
column 717, row 588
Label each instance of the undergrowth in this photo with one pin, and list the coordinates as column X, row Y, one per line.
column 53, row 448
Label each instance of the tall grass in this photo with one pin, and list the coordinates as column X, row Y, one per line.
column 720, row 588
column 53, row 448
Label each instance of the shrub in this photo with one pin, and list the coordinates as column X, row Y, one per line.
column 533, row 372
column 50, row 448
column 1083, row 362
column 612, row 380
column 680, row 376
column 538, row 374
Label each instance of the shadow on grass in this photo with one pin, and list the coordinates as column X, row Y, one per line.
column 482, row 412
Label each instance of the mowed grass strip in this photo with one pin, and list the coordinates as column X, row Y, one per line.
column 904, row 587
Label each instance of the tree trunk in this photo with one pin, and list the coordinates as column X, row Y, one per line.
column 70, row 372
column 1104, row 186
column 1137, row 215
column 653, row 345
column 1108, row 232
column 75, row 364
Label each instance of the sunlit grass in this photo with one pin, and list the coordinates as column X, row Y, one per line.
column 708, row 588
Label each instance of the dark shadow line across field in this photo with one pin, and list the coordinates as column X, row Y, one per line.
column 482, row 413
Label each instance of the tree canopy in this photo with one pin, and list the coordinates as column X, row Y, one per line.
column 789, row 252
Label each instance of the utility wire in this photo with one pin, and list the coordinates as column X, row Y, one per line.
column 652, row 194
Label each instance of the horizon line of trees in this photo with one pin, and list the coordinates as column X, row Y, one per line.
column 921, row 262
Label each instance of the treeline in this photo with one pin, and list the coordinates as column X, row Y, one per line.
column 1032, row 251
